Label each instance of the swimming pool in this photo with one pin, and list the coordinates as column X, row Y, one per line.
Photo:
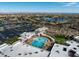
column 39, row 42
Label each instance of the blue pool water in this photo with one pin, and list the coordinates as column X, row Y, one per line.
column 39, row 42
column 54, row 19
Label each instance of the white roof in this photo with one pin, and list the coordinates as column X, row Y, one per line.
column 77, row 37
column 41, row 29
column 73, row 44
column 27, row 34
column 57, row 51
column 25, row 51
column 3, row 46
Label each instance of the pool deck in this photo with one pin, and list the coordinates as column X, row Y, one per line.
column 48, row 44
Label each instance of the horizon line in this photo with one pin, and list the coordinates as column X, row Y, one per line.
column 34, row 12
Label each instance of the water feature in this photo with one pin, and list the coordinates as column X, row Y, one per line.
column 39, row 42
column 54, row 19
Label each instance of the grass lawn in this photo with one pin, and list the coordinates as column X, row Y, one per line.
column 12, row 40
column 60, row 39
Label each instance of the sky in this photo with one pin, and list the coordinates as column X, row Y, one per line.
column 50, row 7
